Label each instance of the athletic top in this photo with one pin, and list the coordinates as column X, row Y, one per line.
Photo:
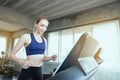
column 35, row 47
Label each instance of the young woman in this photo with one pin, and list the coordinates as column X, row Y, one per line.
column 35, row 45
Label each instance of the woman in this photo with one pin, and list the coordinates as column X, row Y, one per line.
column 35, row 50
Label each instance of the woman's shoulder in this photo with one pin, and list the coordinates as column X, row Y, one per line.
column 44, row 39
column 25, row 36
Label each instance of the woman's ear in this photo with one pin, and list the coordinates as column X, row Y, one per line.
column 35, row 25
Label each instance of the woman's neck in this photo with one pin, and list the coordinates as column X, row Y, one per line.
column 37, row 34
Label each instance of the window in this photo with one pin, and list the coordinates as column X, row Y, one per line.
column 61, row 42
column 66, row 43
column 53, row 43
column 79, row 30
column 108, row 35
column 3, row 42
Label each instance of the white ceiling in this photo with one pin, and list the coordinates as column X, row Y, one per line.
column 52, row 9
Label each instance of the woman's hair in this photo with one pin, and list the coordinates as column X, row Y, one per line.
column 40, row 18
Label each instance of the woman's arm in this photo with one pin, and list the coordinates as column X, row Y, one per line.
column 47, row 58
column 17, row 47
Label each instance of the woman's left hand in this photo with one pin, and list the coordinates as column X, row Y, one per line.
column 54, row 57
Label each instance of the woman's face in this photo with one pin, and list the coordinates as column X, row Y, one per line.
column 41, row 27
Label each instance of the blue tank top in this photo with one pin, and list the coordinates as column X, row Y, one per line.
column 35, row 47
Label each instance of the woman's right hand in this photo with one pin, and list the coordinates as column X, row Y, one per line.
column 25, row 64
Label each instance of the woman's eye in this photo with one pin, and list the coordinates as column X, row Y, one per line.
column 43, row 26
